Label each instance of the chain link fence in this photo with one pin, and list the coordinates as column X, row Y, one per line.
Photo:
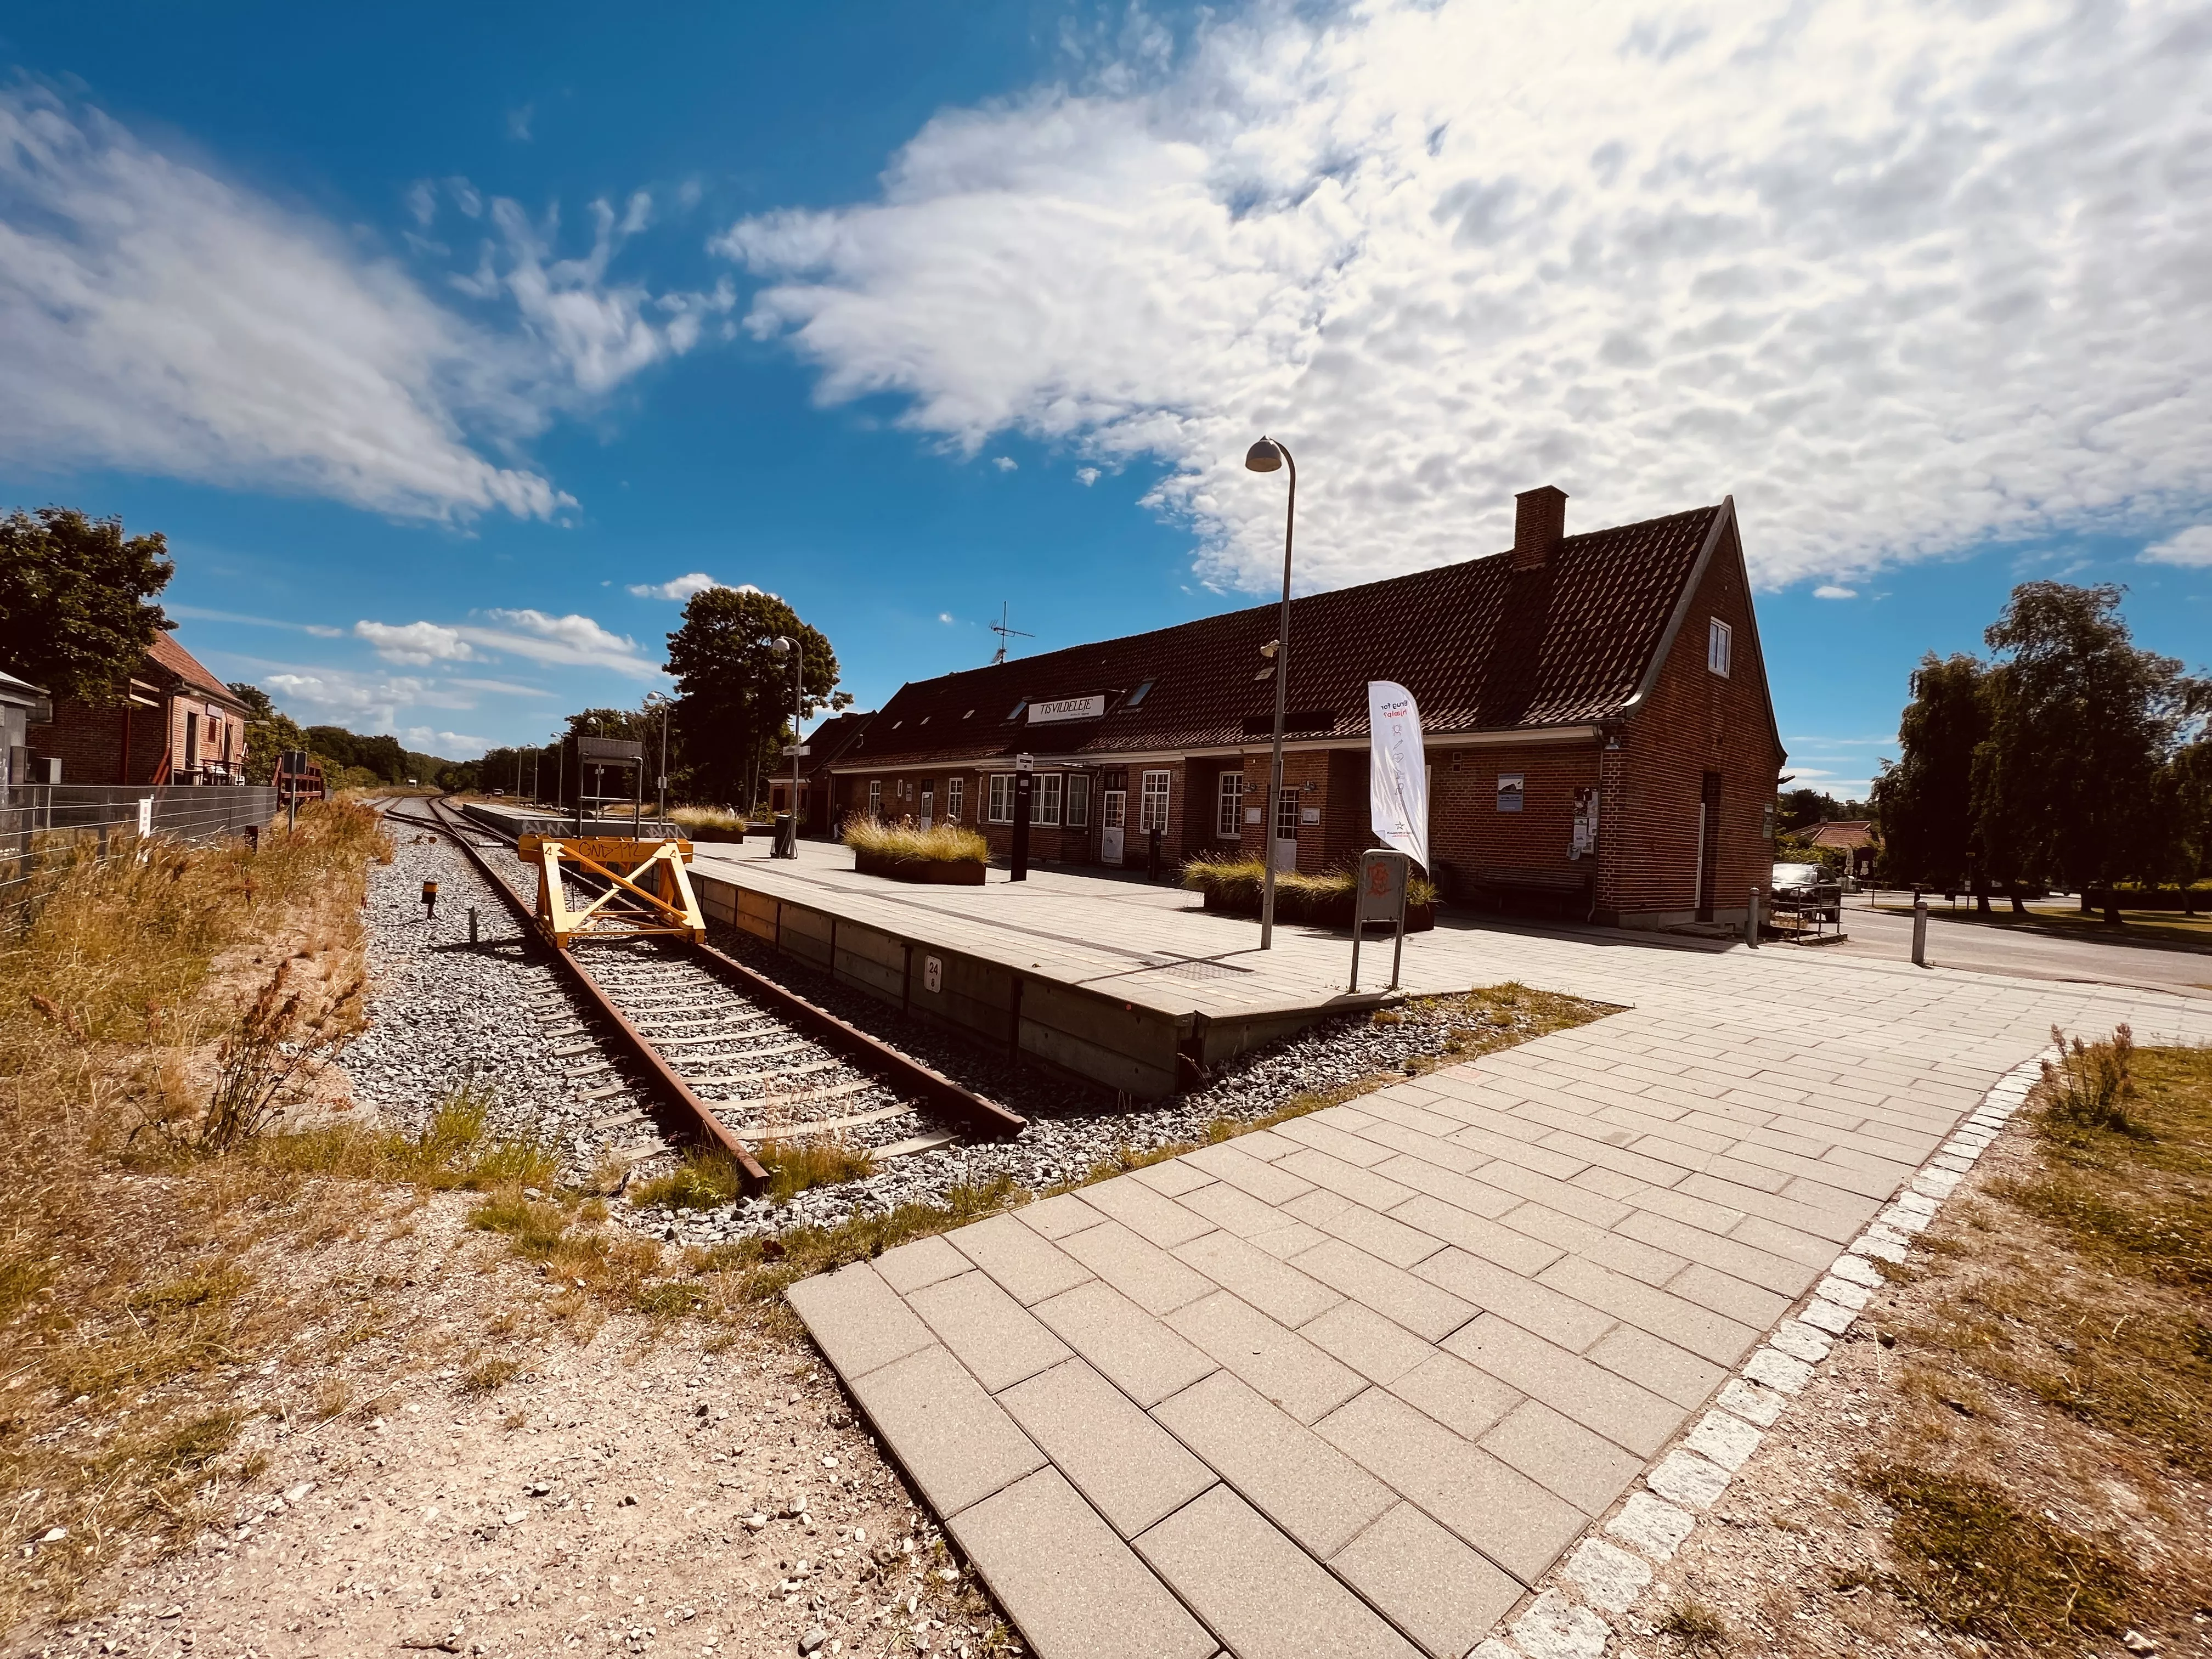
column 41, row 824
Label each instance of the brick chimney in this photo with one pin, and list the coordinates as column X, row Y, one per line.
column 1540, row 520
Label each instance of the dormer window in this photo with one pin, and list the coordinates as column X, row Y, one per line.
column 1137, row 697
column 1018, row 709
column 969, row 715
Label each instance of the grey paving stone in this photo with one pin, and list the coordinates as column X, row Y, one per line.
column 856, row 1319
column 1230, row 1163
column 1174, row 1177
column 1264, row 1596
column 1578, row 1464
column 1364, row 1339
column 925, row 1261
column 1059, row 1216
column 1497, row 1510
column 1302, row 1484
column 1423, row 1139
column 1130, row 1468
column 1729, row 1441
column 1630, row 1417
column 952, row 1437
column 1338, row 1141
column 1232, row 1209
column 1467, row 1402
column 1652, row 1524
column 1277, row 1289
column 1284, row 1368
column 1686, row 1325
column 1133, row 1350
column 1552, row 1627
column 1291, row 1238
column 1360, row 1185
column 1688, row 1479
column 1389, row 1240
column 1751, row 1402
column 1074, row 1589
column 1151, row 1215
column 1533, row 1306
column 988, row 1332
column 1608, row 1576
column 1139, row 1269
column 1395, row 1294
column 1432, row 1587
column 1666, row 1370
column 1027, row 1265
column 1754, row 1305
column 1476, row 1235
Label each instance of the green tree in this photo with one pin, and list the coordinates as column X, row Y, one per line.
column 1925, row 797
column 735, row 694
column 268, row 732
column 76, row 601
column 2083, row 723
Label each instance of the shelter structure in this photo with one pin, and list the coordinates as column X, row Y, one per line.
column 178, row 724
column 1600, row 740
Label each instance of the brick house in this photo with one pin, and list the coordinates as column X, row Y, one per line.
column 1600, row 737
column 1853, row 838
column 180, row 725
column 826, row 744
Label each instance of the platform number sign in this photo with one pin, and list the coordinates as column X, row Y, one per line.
column 933, row 973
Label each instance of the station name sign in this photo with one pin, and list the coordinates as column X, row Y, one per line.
column 1068, row 709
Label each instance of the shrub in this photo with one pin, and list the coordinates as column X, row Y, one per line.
column 941, row 843
column 2090, row 1084
column 1234, row 879
column 707, row 817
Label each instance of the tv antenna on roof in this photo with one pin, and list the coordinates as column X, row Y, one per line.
column 1005, row 633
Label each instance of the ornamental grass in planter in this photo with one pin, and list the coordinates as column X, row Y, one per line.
column 709, row 822
column 943, row 854
column 1231, row 883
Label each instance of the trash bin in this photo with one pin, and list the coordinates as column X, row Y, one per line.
column 787, row 836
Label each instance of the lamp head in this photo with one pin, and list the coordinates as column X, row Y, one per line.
column 780, row 646
column 1266, row 456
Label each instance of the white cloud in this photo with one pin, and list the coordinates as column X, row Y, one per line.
column 1901, row 275
column 158, row 319
column 370, row 701
column 1833, row 591
column 446, row 745
column 2190, row 549
column 945, row 615
column 417, row 644
column 678, row 588
column 1005, row 462
column 501, row 688
column 1086, row 476
column 572, row 640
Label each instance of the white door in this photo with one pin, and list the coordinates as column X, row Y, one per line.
column 928, row 807
column 1285, row 853
column 1113, row 812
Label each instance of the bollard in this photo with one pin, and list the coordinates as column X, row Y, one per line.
column 430, row 900
column 473, row 925
column 1751, row 922
column 1919, row 930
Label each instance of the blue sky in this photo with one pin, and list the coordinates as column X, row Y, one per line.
column 445, row 345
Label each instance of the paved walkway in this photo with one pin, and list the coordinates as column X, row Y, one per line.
column 1350, row 1386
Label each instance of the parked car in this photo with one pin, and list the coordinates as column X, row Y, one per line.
column 1809, row 886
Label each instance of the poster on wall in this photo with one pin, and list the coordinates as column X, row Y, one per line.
column 1397, row 774
column 1584, row 841
column 1510, row 791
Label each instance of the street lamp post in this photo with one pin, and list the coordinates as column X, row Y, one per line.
column 655, row 699
column 790, row 647
column 1269, row 456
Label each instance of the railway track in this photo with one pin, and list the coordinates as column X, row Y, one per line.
column 686, row 1041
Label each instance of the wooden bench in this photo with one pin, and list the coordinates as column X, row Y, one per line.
column 1551, row 891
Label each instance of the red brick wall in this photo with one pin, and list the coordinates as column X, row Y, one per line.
column 1467, row 832
column 1695, row 721
column 88, row 741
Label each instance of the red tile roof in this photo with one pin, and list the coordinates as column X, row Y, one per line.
column 166, row 654
column 1481, row 647
column 1842, row 832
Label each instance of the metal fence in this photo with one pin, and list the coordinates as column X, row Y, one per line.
column 41, row 822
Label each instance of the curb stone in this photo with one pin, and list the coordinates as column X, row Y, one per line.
column 1582, row 1607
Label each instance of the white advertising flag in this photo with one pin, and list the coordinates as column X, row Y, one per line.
column 1397, row 772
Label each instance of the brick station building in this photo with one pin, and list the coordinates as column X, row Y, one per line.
column 1594, row 709
column 179, row 725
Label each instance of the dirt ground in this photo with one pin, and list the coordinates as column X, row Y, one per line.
column 683, row 1488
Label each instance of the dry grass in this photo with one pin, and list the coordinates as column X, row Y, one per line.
column 1237, row 878
column 707, row 817
column 941, row 843
column 2044, row 1468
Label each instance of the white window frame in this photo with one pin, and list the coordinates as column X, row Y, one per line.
column 1720, row 646
column 1152, row 803
column 956, row 799
column 1286, row 813
column 1002, row 798
column 1079, row 800
column 1044, row 800
column 875, row 798
column 1228, row 807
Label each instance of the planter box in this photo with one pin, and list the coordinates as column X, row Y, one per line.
column 1332, row 912
column 935, row 873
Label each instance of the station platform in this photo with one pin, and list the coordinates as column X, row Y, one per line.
column 523, row 818
column 1129, row 987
